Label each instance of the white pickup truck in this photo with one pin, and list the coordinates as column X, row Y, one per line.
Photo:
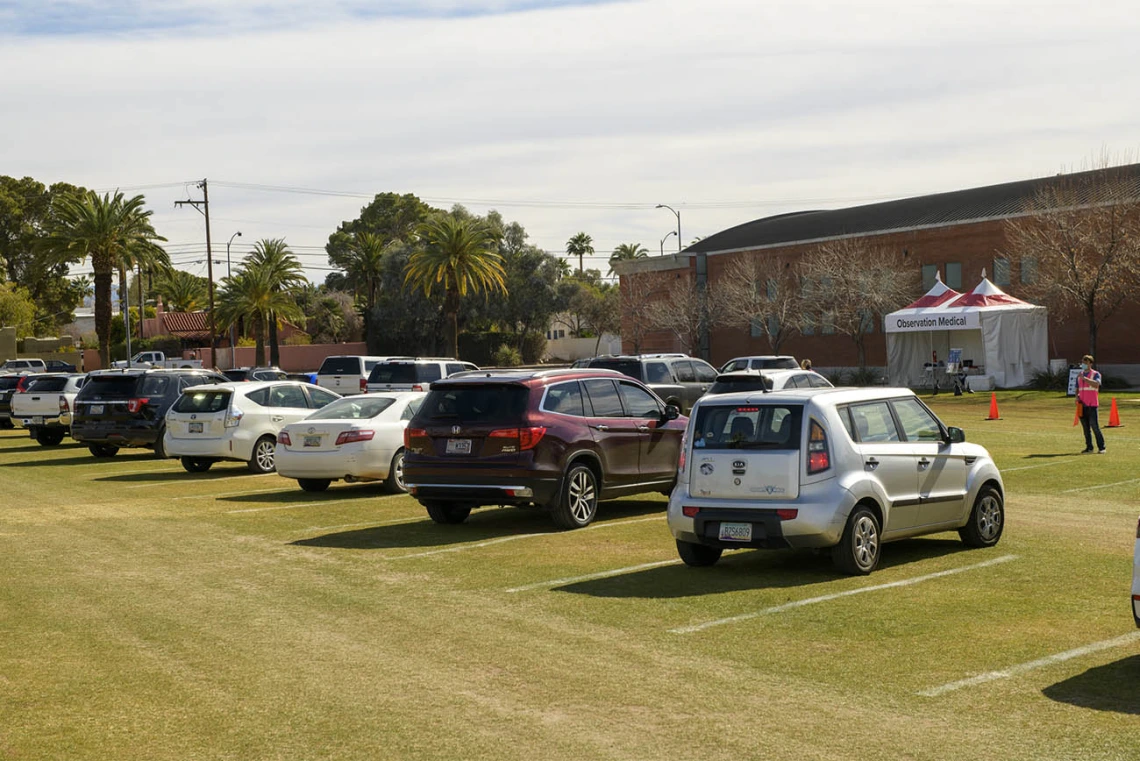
column 156, row 359
column 45, row 406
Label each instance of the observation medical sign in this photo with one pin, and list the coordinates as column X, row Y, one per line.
column 932, row 319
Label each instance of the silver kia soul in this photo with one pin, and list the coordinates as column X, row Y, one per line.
column 842, row 468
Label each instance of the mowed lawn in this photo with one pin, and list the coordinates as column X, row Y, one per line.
column 147, row 613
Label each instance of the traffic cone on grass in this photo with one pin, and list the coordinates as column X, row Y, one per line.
column 993, row 408
column 1114, row 416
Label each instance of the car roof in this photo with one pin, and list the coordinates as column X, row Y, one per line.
column 245, row 386
column 141, row 370
column 762, row 356
column 841, row 395
column 522, row 376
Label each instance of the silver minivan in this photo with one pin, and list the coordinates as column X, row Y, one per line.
column 844, row 468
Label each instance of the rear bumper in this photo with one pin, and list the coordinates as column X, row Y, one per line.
column 333, row 465
column 36, row 421
column 520, row 492
column 119, row 437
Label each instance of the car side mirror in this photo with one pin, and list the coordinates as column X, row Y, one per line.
column 672, row 412
column 955, row 435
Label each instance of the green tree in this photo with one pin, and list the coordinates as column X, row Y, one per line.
column 580, row 245
column 391, row 216
column 273, row 259
column 17, row 309
column 251, row 297
column 365, row 269
column 458, row 257
column 182, row 291
column 626, row 252
column 111, row 230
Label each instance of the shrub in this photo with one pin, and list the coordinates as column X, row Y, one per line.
column 506, row 356
column 836, row 377
column 1047, row 380
column 865, row 376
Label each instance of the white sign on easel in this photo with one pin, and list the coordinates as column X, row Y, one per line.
column 1074, row 373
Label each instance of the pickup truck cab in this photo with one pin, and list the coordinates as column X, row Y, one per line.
column 44, row 406
column 156, row 359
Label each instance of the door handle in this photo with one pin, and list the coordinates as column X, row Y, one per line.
column 643, row 428
column 871, row 463
column 601, row 427
column 923, row 463
column 277, row 419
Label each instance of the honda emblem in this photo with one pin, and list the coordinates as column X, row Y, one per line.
column 455, row 429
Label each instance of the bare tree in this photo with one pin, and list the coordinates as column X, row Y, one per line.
column 764, row 294
column 853, row 284
column 1080, row 248
column 637, row 308
column 683, row 310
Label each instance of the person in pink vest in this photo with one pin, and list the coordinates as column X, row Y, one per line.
column 1088, row 394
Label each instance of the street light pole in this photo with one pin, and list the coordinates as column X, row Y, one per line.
column 678, row 214
column 233, row 343
column 671, row 232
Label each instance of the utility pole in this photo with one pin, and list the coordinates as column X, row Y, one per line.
column 205, row 211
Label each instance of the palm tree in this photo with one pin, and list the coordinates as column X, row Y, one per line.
column 460, row 256
column 581, row 246
column 626, row 252
column 364, row 266
column 113, row 231
column 251, row 296
column 283, row 272
column 182, row 291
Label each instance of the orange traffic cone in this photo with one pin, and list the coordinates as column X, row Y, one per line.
column 1114, row 416
column 993, row 408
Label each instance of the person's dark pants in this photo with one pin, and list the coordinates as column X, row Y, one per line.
column 1090, row 425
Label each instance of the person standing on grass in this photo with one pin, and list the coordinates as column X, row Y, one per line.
column 1088, row 394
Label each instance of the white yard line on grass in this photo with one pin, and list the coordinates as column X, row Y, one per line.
column 307, row 504
column 590, row 576
column 1021, row 668
column 212, row 479
column 392, row 522
column 1101, row 486
column 231, row 494
column 837, row 595
column 1041, row 465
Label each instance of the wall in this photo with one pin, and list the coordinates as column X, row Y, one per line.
column 570, row 349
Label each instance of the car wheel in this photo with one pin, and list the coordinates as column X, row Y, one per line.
column 447, row 512
column 159, row 444
column 395, row 481
column 103, row 450
column 987, row 519
column 49, row 438
column 264, row 452
column 313, row 484
column 196, row 464
column 577, row 502
column 698, row 555
column 858, row 551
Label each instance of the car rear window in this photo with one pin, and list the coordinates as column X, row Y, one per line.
column 405, row 372
column 47, row 385
column 108, row 387
column 10, row 381
column 630, row 367
column 748, row 426
column 340, row 366
column 362, row 407
column 202, row 401
column 154, row 385
column 484, row 403
column 726, row 385
column 778, row 363
column 236, row 375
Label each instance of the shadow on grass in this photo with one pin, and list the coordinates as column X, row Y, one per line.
column 293, row 493
column 1113, row 687
column 135, row 456
column 1057, row 454
column 484, row 524
column 40, row 448
column 159, row 476
column 751, row 569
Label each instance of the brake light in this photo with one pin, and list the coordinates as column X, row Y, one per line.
column 355, row 434
column 413, row 433
column 283, row 438
column 233, row 417
column 417, row 387
column 787, row 514
column 134, row 405
column 819, row 456
column 528, row 437
column 364, row 385
column 690, row 512
column 64, row 408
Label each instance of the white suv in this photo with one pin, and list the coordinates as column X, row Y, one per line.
column 348, row 373
column 847, row 469
column 413, row 374
column 237, row 421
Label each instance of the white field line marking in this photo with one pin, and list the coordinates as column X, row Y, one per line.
column 210, row 480
column 1101, row 486
column 500, row 540
column 1021, row 668
column 231, row 494
column 136, row 472
column 1042, row 465
column 392, row 522
column 589, row 576
column 837, row 595
column 306, row 504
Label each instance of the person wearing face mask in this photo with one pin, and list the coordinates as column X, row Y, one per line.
column 1088, row 394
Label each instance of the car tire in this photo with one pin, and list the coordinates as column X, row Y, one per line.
column 313, row 484
column 196, row 464
column 576, row 505
column 858, row 551
column 698, row 555
column 395, row 480
column 49, row 438
column 447, row 512
column 159, row 444
column 987, row 519
column 264, row 453
column 103, row 450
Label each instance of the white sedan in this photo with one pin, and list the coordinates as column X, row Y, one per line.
column 357, row 438
column 1136, row 577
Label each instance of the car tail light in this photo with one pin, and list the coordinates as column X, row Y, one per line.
column 528, row 437
column 22, row 385
column 819, row 456
column 356, row 434
column 787, row 514
column 413, row 433
column 417, row 387
column 364, row 385
column 233, row 417
column 690, row 512
column 64, row 408
column 134, row 405
column 283, row 438
column 684, row 449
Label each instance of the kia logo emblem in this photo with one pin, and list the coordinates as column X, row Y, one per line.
column 193, row 417
column 739, row 464
column 455, row 429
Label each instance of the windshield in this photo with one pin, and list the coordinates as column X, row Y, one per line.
column 353, row 408
column 476, row 404
column 748, row 426
column 630, row 367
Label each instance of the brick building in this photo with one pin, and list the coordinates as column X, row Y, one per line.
column 958, row 234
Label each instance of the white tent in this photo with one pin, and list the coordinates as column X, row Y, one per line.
column 1005, row 337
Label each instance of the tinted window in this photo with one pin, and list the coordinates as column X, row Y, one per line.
column 269, row 375
column 736, row 364
column 705, row 372
column 751, row 426
column 393, row 372
column 639, row 402
column 412, row 408
column 630, row 367
column 46, row 385
column 428, row 373
column 917, row 422
column 199, row 379
column 604, row 398
column 203, row 401
column 728, row 384
column 154, row 385
column 873, row 422
column 261, row 397
column 361, row 407
column 489, row 403
column 107, row 387
column 818, row 381
column 319, row 397
column 340, row 366
column 845, row 417
column 9, row 381
column 657, row 372
column 287, row 396
column 236, row 375
column 684, row 371
column 775, row 363
column 456, row 367
column 565, row 398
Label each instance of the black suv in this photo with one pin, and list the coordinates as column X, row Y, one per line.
column 677, row 378
column 557, row 439
column 127, row 408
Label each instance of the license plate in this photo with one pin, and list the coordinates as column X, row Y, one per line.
column 38, row 420
column 95, row 409
column 459, row 446
column 312, row 441
column 195, row 428
column 736, row 532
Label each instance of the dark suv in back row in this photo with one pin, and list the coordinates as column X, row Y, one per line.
column 677, row 378
column 127, row 408
column 558, row 439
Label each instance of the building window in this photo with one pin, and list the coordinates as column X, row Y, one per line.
column 1028, row 270
column 806, row 288
column 756, row 325
column 1001, row 271
column 827, row 324
column 773, row 289
column 929, row 271
column 866, row 321
column 773, row 325
column 807, row 326
column 954, row 275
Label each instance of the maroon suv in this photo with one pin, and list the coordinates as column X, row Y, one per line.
column 558, row 439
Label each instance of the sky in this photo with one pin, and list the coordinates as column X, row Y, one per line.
column 566, row 116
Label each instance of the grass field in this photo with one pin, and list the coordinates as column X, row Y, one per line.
column 146, row 613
